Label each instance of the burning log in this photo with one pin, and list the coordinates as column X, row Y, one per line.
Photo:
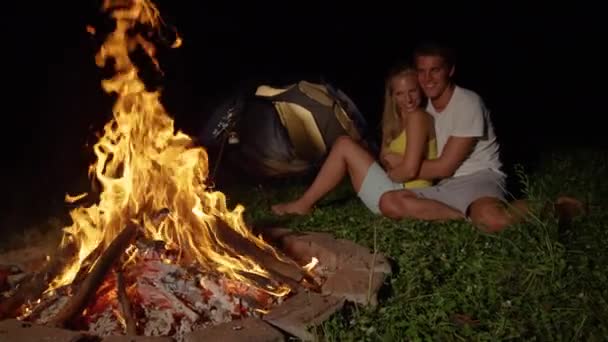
column 286, row 271
column 34, row 287
column 125, row 305
column 79, row 301
column 117, row 5
column 11, row 276
column 142, row 165
column 90, row 260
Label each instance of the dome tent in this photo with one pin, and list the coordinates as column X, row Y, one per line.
column 281, row 131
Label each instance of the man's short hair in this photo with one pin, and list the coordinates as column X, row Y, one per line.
column 433, row 48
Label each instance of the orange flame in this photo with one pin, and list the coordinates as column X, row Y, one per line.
column 143, row 166
column 311, row 265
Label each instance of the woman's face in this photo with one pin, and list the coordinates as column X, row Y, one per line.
column 405, row 92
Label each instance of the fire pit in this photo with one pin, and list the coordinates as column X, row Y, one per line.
column 179, row 307
column 158, row 254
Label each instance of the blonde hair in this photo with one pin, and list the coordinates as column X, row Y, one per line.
column 391, row 119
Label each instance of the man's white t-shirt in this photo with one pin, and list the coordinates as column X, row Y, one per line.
column 467, row 116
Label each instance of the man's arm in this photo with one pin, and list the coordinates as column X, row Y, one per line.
column 391, row 160
column 456, row 150
column 468, row 125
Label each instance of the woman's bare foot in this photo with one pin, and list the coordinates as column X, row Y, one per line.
column 294, row 207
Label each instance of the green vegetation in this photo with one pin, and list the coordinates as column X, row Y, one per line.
column 537, row 280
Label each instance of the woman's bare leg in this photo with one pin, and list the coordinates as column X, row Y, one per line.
column 346, row 156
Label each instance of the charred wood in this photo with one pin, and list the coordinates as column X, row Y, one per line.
column 125, row 304
column 78, row 302
column 38, row 283
column 287, row 271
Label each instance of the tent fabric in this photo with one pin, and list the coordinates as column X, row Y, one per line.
column 302, row 129
column 328, row 115
column 322, row 94
column 284, row 130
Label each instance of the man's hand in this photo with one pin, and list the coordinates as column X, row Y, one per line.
column 456, row 150
column 392, row 159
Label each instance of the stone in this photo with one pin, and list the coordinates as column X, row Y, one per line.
column 125, row 338
column 346, row 264
column 354, row 286
column 356, row 257
column 249, row 329
column 303, row 311
column 26, row 259
column 303, row 247
column 332, row 253
column 16, row 330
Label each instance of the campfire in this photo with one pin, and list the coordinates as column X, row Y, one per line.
column 158, row 253
column 152, row 250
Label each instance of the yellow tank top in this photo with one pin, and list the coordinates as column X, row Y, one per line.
column 398, row 146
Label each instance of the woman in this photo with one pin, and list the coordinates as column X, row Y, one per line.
column 407, row 138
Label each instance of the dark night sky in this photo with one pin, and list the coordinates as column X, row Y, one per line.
column 536, row 67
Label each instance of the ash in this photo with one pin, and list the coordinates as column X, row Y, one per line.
column 106, row 324
column 166, row 299
column 55, row 304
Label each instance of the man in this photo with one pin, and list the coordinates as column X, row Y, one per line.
column 471, row 183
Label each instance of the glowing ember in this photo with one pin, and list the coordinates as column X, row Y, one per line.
column 311, row 265
column 144, row 167
column 166, row 299
column 159, row 253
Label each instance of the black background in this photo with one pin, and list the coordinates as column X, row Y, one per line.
column 541, row 70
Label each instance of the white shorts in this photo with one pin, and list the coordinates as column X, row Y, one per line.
column 376, row 183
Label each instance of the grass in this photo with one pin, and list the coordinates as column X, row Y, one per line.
column 451, row 282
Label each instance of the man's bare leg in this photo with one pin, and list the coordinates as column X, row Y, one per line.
column 492, row 215
column 346, row 156
column 399, row 204
column 489, row 214
column 567, row 208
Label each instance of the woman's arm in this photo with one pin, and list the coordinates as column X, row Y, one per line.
column 383, row 152
column 388, row 159
column 417, row 134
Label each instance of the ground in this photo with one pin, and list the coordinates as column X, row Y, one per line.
column 453, row 282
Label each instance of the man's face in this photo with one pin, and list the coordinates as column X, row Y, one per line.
column 433, row 75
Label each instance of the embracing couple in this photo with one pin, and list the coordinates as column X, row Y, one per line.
column 436, row 163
